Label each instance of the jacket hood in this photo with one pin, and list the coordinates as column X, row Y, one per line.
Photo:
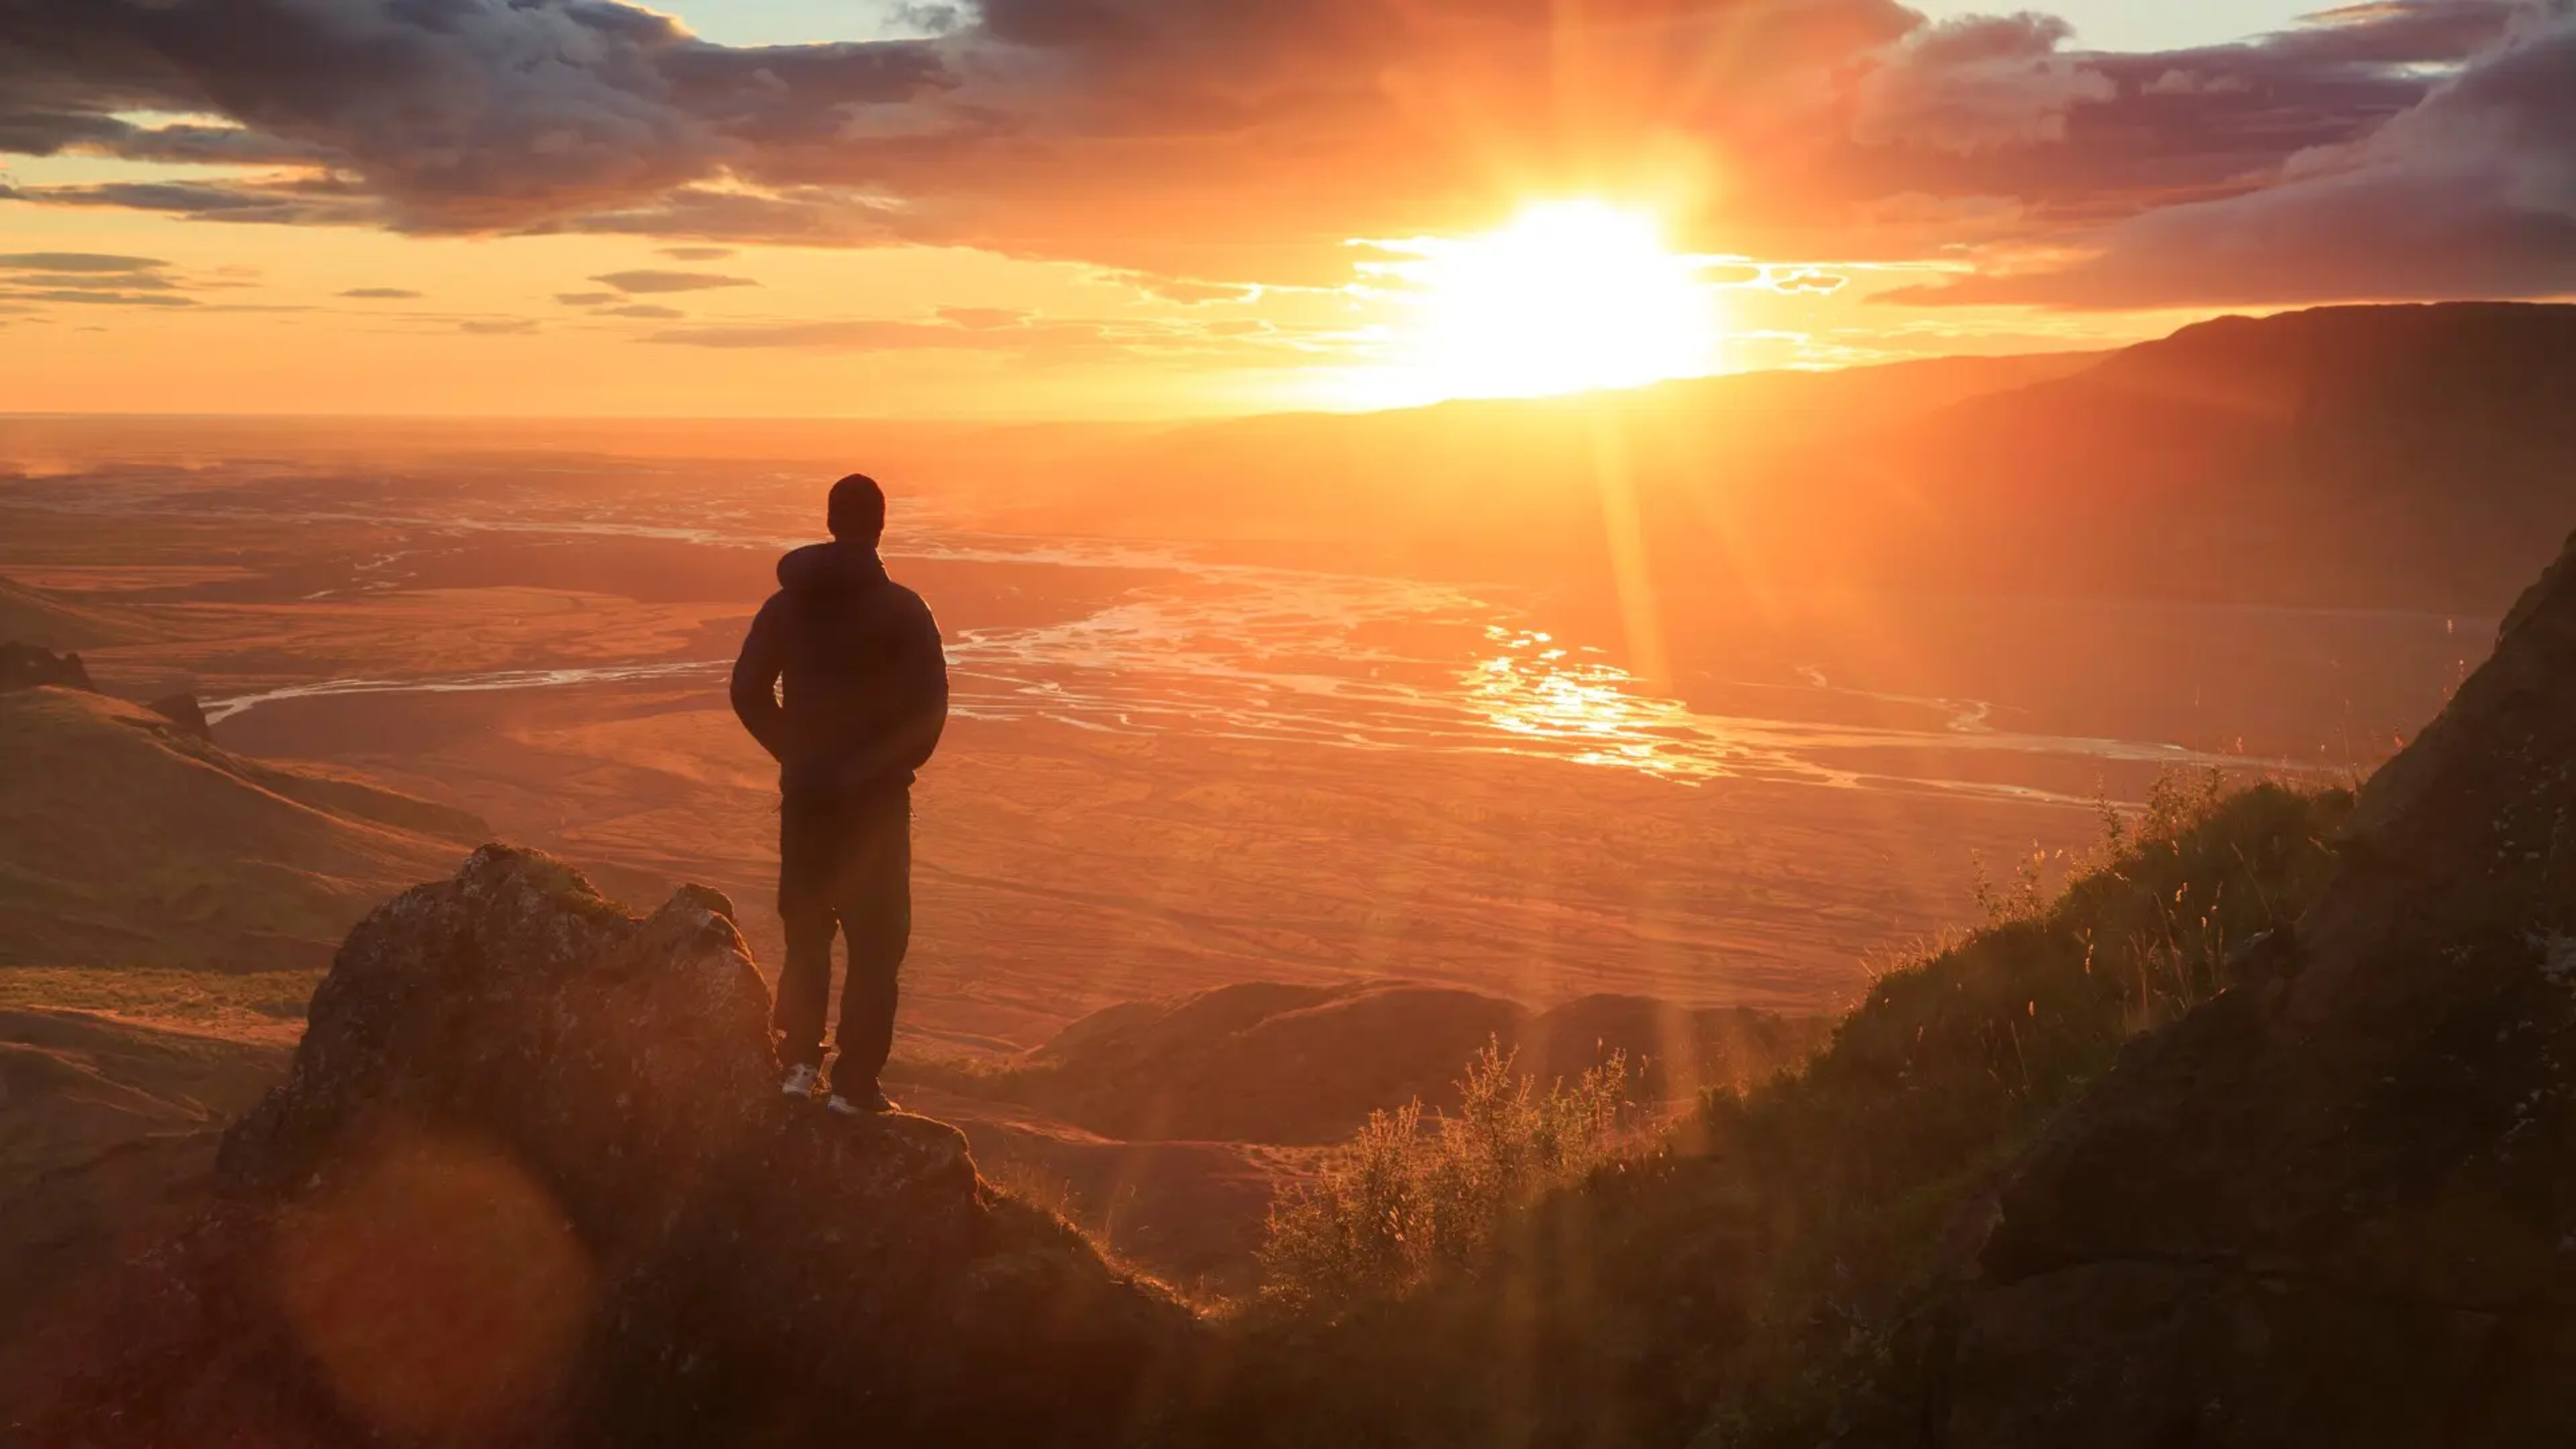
column 830, row 568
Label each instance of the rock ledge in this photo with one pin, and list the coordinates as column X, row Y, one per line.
column 529, row 1181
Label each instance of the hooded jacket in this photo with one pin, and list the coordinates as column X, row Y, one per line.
column 842, row 678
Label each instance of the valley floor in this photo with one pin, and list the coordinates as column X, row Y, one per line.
column 1171, row 771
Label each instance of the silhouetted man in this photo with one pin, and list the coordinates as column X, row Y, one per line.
column 842, row 680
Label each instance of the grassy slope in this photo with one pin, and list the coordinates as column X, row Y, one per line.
column 126, row 842
column 33, row 616
column 1733, row 1286
column 1295, row 1064
column 165, row 908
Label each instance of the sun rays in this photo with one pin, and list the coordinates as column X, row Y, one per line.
column 1569, row 296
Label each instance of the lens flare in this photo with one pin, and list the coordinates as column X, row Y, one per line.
column 437, row 1286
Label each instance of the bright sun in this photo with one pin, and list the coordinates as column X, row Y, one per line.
column 1571, row 295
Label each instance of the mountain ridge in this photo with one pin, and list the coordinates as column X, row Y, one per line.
column 2373, row 456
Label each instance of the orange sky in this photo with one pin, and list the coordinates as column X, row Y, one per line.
column 1151, row 207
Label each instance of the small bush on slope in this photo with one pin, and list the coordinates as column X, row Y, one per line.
column 1406, row 1198
column 1731, row 1287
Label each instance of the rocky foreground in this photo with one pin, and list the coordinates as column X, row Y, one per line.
column 530, row 1181
column 2337, row 1205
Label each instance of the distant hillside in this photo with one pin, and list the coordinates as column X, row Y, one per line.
column 33, row 616
column 2412, row 457
column 1278, row 1063
column 1470, row 483
column 125, row 841
column 2403, row 457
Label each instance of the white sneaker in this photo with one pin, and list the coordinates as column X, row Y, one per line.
column 799, row 1082
column 874, row 1104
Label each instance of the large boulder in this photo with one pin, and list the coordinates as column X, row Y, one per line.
column 27, row 666
column 2336, row 1206
column 185, row 711
column 530, row 1181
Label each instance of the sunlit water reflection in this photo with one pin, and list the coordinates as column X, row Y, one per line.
column 1226, row 650
column 1298, row 658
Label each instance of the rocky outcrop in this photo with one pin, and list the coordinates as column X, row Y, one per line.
column 530, row 1181
column 25, row 666
column 184, row 711
column 2336, row 1206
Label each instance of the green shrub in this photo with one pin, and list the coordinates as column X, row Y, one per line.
column 1741, row 1283
column 1410, row 1195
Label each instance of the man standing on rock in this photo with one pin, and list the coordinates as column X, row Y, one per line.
column 843, row 681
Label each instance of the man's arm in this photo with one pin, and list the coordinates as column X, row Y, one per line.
column 755, row 683
column 924, row 681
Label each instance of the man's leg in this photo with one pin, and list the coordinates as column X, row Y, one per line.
column 875, row 908
column 807, row 844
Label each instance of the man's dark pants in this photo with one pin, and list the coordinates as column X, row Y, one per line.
column 845, row 863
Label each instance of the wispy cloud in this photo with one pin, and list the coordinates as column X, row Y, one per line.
column 648, row 281
column 1004, row 332
column 100, row 279
column 98, row 298
column 85, row 262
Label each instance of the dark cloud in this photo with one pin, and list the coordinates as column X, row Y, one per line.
column 823, row 216
column 458, row 115
column 1240, row 142
column 48, row 133
column 105, row 281
column 2471, row 193
column 307, row 201
column 1132, row 132
column 381, row 294
column 587, row 299
column 97, row 298
column 1192, row 138
column 87, row 262
column 1977, row 84
column 2149, row 132
column 697, row 254
column 1197, row 148
column 648, row 280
